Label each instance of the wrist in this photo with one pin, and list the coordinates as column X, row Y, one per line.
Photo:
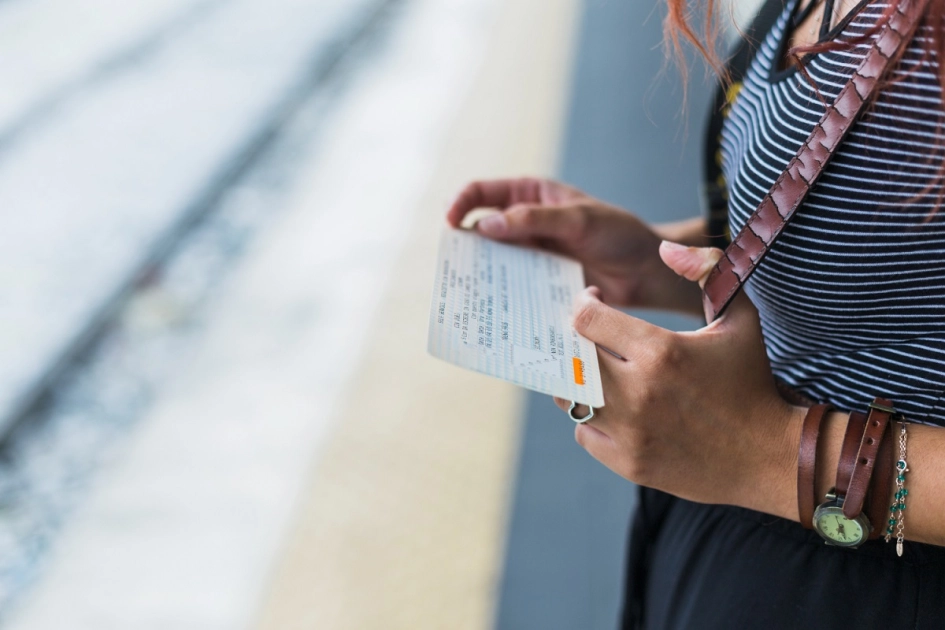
column 770, row 484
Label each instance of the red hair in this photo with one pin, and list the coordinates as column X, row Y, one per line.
column 678, row 26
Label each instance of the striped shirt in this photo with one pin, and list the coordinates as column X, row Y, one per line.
column 852, row 295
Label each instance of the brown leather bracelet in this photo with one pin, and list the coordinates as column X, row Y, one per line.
column 880, row 496
column 881, row 410
column 850, row 447
column 807, row 463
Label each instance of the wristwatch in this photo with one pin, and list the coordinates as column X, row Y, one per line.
column 840, row 519
column 829, row 520
column 836, row 528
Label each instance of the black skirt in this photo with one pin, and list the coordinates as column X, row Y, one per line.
column 694, row 566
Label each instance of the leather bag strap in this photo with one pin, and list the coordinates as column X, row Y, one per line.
column 714, row 196
column 766, row 223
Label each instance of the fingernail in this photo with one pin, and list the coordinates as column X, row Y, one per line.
column 672, row 246
column 496, row 225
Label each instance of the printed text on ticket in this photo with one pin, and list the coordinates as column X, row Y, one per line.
column 504, row 311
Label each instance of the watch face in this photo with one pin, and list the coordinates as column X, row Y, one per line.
column 837, row 528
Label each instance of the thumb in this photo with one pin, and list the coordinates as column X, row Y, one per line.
column 695, row 263
column 692, row 263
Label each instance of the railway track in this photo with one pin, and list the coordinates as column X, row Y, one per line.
column 70, row 414
column 71, row 325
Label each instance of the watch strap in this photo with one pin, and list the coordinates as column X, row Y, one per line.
column 807, row 463
column 880, row 496
column 850, row 447
column 880, row 412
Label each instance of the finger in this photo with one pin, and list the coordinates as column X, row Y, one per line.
column 617, row 332
column 579, row 411
column 692, row 263
column 597, row 443
column 695, row 263
column 473, row 217
column 596, row 292
column 524, row 222
column 496, row 193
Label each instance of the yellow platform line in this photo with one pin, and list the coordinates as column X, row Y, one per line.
column 404, row 519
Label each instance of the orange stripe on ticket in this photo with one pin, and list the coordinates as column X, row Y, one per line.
column 578, row 371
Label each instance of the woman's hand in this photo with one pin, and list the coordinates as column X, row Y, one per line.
column 695, row 414
column 619, row 252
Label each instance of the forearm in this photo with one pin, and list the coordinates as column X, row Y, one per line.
column 925, row 516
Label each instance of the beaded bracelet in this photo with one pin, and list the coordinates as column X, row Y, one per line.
column 897, row 511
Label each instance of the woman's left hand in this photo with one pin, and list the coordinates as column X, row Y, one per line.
column 695, row 414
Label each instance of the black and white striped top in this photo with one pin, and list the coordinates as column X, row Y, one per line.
column 852, row 295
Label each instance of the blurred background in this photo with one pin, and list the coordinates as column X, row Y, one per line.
column 218, row 223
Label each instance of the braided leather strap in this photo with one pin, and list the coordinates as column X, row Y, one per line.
column 791, row 188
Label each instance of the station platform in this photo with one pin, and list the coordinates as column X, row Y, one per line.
column 304, row 464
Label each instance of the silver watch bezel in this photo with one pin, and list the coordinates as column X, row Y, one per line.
column 834, row 505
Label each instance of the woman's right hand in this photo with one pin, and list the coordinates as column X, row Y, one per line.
column 619, row 252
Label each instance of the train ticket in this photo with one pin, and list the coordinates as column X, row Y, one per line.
column 505, row 311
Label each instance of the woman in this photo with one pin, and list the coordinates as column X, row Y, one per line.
column 848, row 305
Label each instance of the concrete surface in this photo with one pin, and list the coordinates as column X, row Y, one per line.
column 186, row 520
column 626, row 141
column 404, row 520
